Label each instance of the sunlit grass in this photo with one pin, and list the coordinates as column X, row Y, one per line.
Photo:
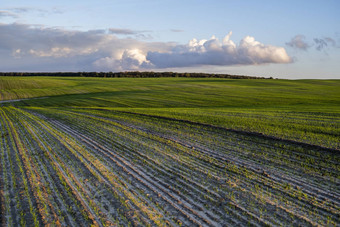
column 302, row 110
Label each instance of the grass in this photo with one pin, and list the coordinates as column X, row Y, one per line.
column 302, row 110
column 173, row 92
column 129, row 151
column 152, row 166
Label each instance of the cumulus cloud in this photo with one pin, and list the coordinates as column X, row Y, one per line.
column 216, row 52
column 37, row 48
column 132, row 59
column 27, row 47
column 298, row 42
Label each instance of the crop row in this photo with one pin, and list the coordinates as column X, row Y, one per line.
column 71, row 167
column 231, row 178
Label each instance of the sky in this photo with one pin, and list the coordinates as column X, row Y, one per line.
column 282, row 39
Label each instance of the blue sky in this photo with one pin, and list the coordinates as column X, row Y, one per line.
column 285, row 39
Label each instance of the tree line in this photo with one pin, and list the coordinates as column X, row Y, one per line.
column 133, row 74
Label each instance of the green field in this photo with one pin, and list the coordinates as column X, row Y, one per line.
column 169, row 151
column 304, row 110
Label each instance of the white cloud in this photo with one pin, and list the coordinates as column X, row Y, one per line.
column 214, row 52
column 25, row 47
column 129, row 60
column 38, row 48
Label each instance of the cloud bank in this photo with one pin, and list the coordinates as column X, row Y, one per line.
column 214, row 52
column 38, row 48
